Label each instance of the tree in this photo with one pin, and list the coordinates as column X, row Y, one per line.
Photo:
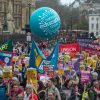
column 70, row 17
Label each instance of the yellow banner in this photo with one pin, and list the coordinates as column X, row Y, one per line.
column 31, row 76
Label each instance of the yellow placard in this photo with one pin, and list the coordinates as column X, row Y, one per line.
column 22, row 56
column 32, row 76
column 26, row 65
column 94, row 64
column 20, row 67
column 7, row 72
column 7, row 75
column 15, row 58
column 82, row 67
column 61, row 71
column 95, row 57
column 89, row 60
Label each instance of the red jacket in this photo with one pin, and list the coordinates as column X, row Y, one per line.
column 34, row 97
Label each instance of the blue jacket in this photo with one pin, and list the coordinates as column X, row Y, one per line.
column 3, row 92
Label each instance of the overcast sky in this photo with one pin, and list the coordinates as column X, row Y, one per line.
column 66, row 1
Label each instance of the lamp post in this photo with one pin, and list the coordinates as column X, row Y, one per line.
column 27, row 27
column 29, row 9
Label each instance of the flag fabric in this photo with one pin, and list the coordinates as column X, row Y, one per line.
column 8, row 46
column 51, row 61
column 54, row 56
column 5, row 58
column 36, row 56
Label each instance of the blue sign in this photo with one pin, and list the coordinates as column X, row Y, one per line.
column 5, row 58
column 45, row 23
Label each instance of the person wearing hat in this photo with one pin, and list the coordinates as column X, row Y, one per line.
column 2, row 87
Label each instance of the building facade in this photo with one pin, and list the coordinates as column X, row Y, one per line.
column 94, row 23
column 21, row 9
column 94, row 19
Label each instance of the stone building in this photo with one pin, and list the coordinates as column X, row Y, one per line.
column 21, row 10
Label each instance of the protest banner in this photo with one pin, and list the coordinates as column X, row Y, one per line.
column 90, row 47
column 5, row 58
column 31, row 76
column 45, row 68
column 19, row 67
column 7, row 73
column 85, row 76
column 94, row 64
column 89, row 60
column 50, row 74
column 72, row 49
column 15, row 58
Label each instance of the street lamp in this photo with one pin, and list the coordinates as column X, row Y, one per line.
column 29, row 9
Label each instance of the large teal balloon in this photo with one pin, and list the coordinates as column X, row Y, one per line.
column 45, row 22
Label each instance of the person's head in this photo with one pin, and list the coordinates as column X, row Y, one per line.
column 28, row 89
column 23, row 65
column 56, row 73
column 15, row 81
column 95, row 75
column 51, row 95
column 51, row 82
column 15, row 88
column 40, row 85
column 96, row 84
column 1, row 77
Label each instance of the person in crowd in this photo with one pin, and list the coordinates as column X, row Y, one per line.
column 51, row 87
column 41, row 90
column 96, row 85
column 15, row 89
column 51, row 96
column 29, row 93
column 23, row 75
column 85, row 95
column 94, row 76
column 74, row 78
column 92, row 93
column 3, row 89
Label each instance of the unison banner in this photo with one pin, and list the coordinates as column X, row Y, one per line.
column 72, row 49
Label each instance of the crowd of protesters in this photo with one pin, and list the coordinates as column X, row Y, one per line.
column 56, row 88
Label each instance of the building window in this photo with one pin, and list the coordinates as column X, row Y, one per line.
column 96, row 33
column 1, row 6
column 92, row 18
column 17, row 9
column 97, row 19
column 17, row 22
column 92, row 26
column 97, row 26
